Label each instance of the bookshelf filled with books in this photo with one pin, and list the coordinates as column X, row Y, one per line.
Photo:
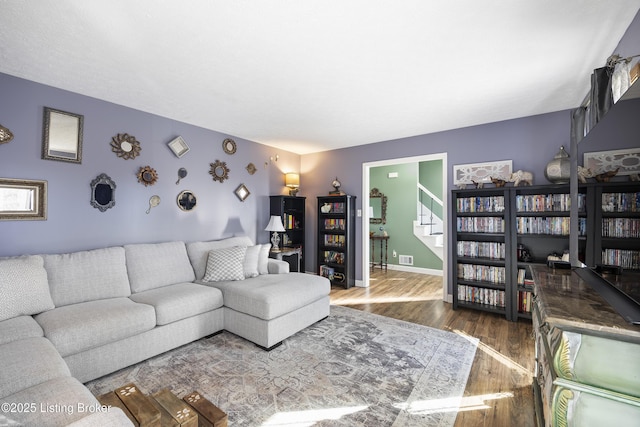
column 292, row 211
column 336, row 239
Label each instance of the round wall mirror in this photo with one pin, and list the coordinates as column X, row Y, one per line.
column 229, row 146
column 125, row 146
column 186, row 200
column 219, row 171
column 103, row 192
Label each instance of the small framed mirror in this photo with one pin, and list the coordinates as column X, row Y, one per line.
column 219, row 171
column 242, row 192
column 22, row 199
column 377, row 207
column 187, row 200
column 62, row 136
column 103, row 192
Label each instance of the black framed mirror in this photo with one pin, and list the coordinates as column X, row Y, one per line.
column 103, row 192
column 23, row 199
column 62, row 136
column 377, row 207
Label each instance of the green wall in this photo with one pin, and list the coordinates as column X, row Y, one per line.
column 402, row 199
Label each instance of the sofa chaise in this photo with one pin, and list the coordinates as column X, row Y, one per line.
column 66, row 319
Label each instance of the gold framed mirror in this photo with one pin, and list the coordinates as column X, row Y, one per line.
column 23, row 199
column 378, row 207
column 219, row 171
column 62, row 136
column 125, row 146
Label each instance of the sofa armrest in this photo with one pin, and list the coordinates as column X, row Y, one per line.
column 277, row 266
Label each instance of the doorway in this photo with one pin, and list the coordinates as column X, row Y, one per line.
column 366, row 183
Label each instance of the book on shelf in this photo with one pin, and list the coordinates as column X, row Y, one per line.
column 524, row 301
column 472, row 249
column 480, row 204
column 480, row 224
column 326, row 271
column 334, row 224
column 482, row 273
column 557, row 202
column 624, row 258
column 621, row 202
column 485, row 296
column 553, row 226
column 621, row 227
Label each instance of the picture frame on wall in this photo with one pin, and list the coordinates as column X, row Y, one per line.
column 481, row 172
column 178, row 146
column 626, row 161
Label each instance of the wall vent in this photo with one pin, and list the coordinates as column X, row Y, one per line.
column 405, row 259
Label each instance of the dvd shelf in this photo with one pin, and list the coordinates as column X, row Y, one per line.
column 336, row 239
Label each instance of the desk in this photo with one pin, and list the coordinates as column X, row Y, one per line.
column 383, row 251
column 293, row 257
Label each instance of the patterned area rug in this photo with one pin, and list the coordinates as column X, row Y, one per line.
column 352, row 369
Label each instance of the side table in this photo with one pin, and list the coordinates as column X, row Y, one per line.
column 383, row 251
column 291, row 255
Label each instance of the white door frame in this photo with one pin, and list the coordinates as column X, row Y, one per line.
column 366, row 245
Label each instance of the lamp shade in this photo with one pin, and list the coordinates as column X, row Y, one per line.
column 292, row 180
column 275, row 224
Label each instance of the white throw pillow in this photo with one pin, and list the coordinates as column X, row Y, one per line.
column 263, row 259
column 24, row 289
column 251, row 261
column 225, row 264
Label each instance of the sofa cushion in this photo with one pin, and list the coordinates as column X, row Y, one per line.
column 272, row 295
column 263, row 259
column 28, row 362
column 199, row 251
column 87, row 275
column 64, row 400
column 24, row 289
column 251, row 258
column 176, row 302
column 156, row 265
column 225, row 264
column 19, row 328
column 78, row 327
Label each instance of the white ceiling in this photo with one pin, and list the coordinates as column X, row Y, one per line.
column 316, row 75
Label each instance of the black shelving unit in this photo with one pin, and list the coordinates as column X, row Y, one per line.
column 336, row 239
column 292, row 211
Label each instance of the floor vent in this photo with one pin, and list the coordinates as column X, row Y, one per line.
column 405, row 260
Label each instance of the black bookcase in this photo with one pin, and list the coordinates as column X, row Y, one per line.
column 336, row 239
column 292, row 211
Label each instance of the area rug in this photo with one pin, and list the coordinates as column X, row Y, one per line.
column 351, row 369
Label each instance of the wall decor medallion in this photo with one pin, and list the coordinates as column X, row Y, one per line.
column 251, row 168
column 627, row 161
column 147, row 175
column 178, row 146
column 125, row 146
column 481, row 172
column 5, row 135
column 219, row 171
column 229, row 146
column 242, row 192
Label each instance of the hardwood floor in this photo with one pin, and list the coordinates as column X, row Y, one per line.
column 499, row 390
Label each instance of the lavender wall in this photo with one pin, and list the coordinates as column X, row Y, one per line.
column 73, row 224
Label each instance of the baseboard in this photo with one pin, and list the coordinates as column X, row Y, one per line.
column 418, row 270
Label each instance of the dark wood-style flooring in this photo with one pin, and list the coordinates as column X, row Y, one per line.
column 499, row 390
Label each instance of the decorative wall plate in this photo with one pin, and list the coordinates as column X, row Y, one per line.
column 5, row 135
column 219, row 171
column 125, row 146
column 251, row 168
column 147, row 175
column 242, row 192
column 178, row 146
column 229, row 146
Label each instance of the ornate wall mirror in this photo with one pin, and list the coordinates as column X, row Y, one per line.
column 378, row 203
column 22, row 199
column 125, row 146
column 62, row 136
column 187, row 200
column 103, row 192
column 219, row 171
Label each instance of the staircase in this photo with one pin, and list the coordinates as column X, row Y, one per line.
column 429, row 227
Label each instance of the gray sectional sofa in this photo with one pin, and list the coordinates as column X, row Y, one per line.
column 66, row 319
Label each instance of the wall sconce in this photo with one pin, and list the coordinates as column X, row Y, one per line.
column 292, row 180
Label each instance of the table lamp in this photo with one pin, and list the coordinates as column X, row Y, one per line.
column 275, row 225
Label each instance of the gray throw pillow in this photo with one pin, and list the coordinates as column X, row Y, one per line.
column 225, row 264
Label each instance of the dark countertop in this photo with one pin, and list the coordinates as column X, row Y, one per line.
column 566, row 301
